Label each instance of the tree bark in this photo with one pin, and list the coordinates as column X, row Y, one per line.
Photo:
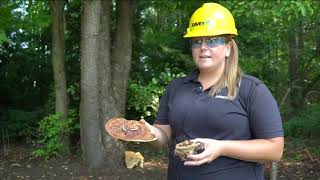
column 90, row 128
column 107, row 98
column 121, row 52
column 274, row 171
column 58, row 57
column 292, row 42
column 58, row 63
column 103, row 82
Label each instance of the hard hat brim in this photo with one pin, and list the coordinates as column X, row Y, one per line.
column 197, row 34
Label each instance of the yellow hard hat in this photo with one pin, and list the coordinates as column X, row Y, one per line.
column 211, row 19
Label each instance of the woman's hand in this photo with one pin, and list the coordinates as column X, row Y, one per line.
column 150, row 127
column 162, row 132
column 213, row 149
column 254, row 150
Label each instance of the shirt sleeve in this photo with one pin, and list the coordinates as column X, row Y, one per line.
column 163, row 111
column 264, row 115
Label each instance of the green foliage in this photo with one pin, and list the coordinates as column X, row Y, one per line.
column 73, row 91
column 3, row 37
column 52, row 129
column 25, row 67
column 20, row 123
column 144, row 99
column 263, row 26
column 306, row 124
column 295, row 147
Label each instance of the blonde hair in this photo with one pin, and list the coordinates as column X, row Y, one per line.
column 231, row 76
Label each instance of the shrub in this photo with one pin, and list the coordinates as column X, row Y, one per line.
column 306, row 124
column 52, row 129
column 20, row 124
column 143, row 99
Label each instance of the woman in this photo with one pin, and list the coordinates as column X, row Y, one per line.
column 234, row 115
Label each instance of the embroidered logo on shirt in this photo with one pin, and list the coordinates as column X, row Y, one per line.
column 221, row 97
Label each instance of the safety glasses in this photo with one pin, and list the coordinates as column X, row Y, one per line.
column 210, row 42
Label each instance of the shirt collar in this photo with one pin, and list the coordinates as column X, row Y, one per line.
column 192, row 77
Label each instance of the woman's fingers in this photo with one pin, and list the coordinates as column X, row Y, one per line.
column 197, row 157
column 210, row 153
column 198, row 140
column 150, row 127
column 195, row 163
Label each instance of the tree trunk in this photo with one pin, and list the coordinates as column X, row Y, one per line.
column 293, row 57
column 58, row 63
column 273, row 171
column 292, row 54
column 292, row 43
column 103, row 83
column 58, row 57
column 107, row 98
column 90, row 126
column 121, row 53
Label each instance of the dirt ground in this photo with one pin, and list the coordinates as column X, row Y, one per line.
column 297, row 164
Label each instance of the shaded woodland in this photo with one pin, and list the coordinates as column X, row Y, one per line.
column 66, row 67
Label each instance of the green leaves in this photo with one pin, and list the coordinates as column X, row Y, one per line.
column 3, row 37
column 20, row 123
column 159, row 53
column 306, row 124
column 144, row 98
column 52, row 129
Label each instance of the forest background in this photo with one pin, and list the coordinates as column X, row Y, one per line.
column 59, row 57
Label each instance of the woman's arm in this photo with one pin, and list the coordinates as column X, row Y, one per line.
column 255, row 150
column 163, row 134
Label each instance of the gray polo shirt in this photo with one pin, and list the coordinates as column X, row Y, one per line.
column 192, row 113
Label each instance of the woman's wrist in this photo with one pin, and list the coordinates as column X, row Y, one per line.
column 223, row 147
